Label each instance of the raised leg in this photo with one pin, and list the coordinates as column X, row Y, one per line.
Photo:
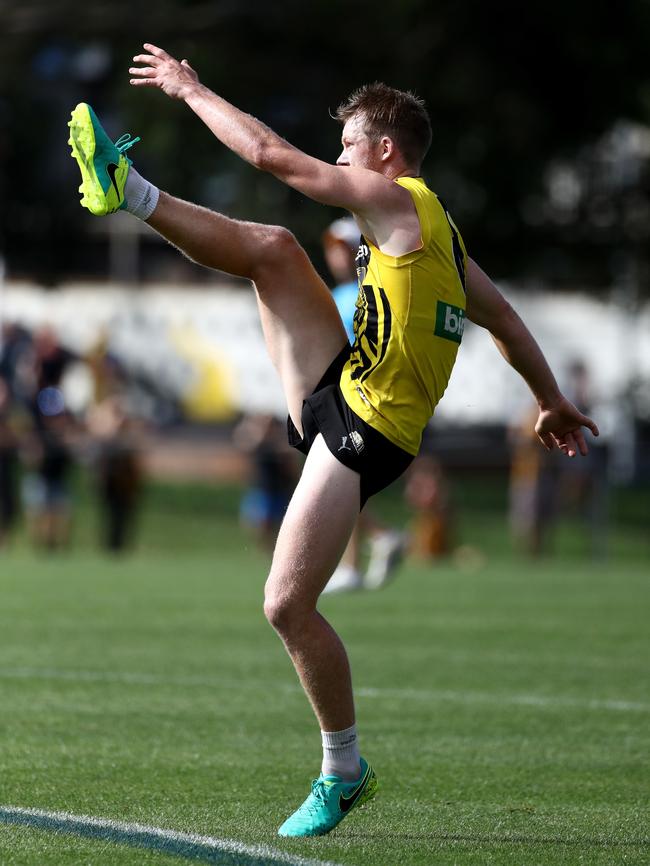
column 302, row 327
column 304, row 333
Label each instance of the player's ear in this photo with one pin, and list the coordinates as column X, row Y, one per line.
column 387, row 147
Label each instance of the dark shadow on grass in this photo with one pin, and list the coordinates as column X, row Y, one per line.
column 495, row 839
column 198, row 849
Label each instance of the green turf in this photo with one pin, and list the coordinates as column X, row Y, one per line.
column 506, row 708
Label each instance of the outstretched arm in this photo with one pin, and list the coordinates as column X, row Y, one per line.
column 559, row 423
column 356, row 189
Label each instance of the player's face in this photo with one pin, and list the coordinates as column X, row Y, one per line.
column 358, row 151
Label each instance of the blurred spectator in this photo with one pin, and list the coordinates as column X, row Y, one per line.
column 46, row 484
column 427, row 493
column 534, row 477
column 543, row 485
column 50, row 359
column 273, row 475
column 107, row 373
column 8, row 465
column 48, row 447
column 583, row 483
column 118, row 470
column 340, row 247
column 16, row 367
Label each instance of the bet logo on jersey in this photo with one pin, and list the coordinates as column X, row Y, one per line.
column 450, row 322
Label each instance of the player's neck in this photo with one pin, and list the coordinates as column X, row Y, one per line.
column 401, row 170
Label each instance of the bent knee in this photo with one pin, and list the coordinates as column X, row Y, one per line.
column 285, row 613
column 278, row 248
column 278, row 612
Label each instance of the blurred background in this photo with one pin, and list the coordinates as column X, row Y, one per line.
column 137, row 406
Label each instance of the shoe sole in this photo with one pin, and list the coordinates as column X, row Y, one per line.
column 82, row 142
column 370, row 791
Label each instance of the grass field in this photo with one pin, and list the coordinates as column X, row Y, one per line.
column 506, row 708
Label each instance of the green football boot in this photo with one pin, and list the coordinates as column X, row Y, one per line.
column 104, row 168
column 331, row 799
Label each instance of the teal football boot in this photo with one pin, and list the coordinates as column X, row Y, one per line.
column 331, row 799
column 103, row 165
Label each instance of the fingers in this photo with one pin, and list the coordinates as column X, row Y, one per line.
column 158, row 52
column 584, row 421
column 153, row 63
column 142, row 70
column 564, row 430
column 571, row 443
column 149, row 59
column 576, row 438
column 143, row 82
column 561, row 444
column 570, row 449
column 547, row 440
column 579, row 437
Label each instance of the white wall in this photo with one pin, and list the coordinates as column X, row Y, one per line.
column 162, row 331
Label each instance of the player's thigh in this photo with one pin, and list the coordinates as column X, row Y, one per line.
column 302, row 326
column 315, row 530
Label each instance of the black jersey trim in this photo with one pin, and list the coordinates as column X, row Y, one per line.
column 388, row 327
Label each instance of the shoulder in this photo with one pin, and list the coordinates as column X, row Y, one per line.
column 430, row 211
column 414, row 184
column 394, row 224
column 420, row 192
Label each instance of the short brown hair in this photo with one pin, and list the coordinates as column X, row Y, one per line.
column 399, row 114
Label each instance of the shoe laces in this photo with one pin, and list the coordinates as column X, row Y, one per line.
column 124, row 142
column 318, row 794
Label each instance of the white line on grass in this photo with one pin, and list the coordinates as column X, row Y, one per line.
column 205, row 849
column 461, row 697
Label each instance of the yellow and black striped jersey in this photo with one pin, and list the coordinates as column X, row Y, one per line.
column 408, row 324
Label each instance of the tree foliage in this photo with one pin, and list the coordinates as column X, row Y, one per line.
column 515, row 91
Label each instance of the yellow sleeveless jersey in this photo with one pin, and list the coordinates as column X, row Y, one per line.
column 408, row 325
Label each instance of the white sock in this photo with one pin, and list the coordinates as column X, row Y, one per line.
column 341, row 754
column 141, row 196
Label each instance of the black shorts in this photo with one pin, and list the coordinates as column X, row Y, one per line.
column 350, row 439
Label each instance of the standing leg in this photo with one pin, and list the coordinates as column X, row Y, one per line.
column 312, row 539
column 313, row 536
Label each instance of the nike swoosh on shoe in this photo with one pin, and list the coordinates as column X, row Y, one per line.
column 346, row 803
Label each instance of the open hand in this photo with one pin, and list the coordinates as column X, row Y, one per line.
column 163, row 71
column 561, row 427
